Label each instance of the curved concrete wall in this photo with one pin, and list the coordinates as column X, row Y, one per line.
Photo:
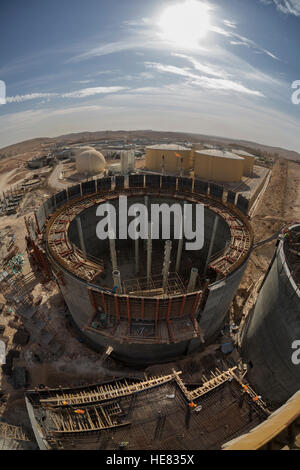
column 269, row 334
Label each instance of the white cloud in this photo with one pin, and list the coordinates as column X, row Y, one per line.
column 204, row 68
column 28, row 97
column 224, row 85
column 289, row 7
column 84, row 93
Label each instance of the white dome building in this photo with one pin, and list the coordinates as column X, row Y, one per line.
column 90, row 162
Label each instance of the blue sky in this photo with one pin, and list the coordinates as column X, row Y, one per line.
column 218, row 67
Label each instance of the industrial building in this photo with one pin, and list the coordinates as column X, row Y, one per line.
column 160, row 310
column 249, row 161
column 274, row 326
column 90, row 162
column 218, row 165
column 210, row 164
column 169, row 158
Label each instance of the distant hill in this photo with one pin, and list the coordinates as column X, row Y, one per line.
column 41, row 145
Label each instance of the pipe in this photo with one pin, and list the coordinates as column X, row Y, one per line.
column 137, row 268
column 149, row 252
column 179, row 249
column 117, row 281
column 80, row 234
column 212, row 241
column 113, row 254
column 193, row 280
column 166, row 265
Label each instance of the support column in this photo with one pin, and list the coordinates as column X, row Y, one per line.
column 166, row 265
column 117, row 281
column 193, row 280
column 180, row 245
column 212, row 241
column 149, row 252
column 80, row 234
column 113, row 254
column 137, row 262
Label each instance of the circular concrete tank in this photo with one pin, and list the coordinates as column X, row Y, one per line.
column 145, row 323
column 274, row 327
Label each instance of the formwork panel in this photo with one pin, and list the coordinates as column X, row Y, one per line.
column 74, row 191
column 169, row 182
column 153, row 181
column 231, row 196
column 60, row 198
column 136, row 181
column 50, row 206
column 119, row 181
column 242, row 204
column 40, row 217
column 200, row 187
column 88, row 187
column 103, row 185
column 216, row 191
column 185, row 184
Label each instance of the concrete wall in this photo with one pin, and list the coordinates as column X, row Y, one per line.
column 218, row 168
column 269, row 334
column 248, row 164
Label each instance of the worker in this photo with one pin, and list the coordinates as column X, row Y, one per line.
column 192, row 405
column 245, row 388
column 65, row 403
column 79, row 412
column 256, row 398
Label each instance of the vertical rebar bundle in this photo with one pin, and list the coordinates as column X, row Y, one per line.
column 80, row 234
column 149, row 252
column 117, row 281
column 193, row 280
column 212, row 241
column 166, row 265
column 113, row 254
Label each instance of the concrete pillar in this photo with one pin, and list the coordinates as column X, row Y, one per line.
column 181, row 167
column 137, row 261
column 211, row 245
column 80, row 234
column 193, row 280
column 179, row 249
column 117, row 281
column 149, row 252
column 146, row 203
column 166, row 265
column 113, row 254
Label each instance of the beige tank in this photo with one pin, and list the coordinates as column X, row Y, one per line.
column 218, row 165
column 90, row 162
column 176, row 157
column 249, row 161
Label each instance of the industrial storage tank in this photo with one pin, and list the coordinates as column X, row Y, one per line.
column 218, row 165
column 270, row 336
column 90, row 162
column 248, row 163
column 173, row 158
column 146, row 312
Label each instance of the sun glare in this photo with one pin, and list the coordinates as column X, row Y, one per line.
column 185, row 23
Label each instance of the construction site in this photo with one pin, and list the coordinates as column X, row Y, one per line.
column 123, row 344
